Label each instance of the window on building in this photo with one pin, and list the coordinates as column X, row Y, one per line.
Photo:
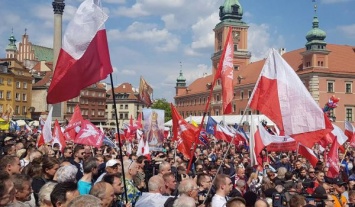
column 241, row 112
column 18, row 84
column 126, row 106
column 121, row 106
column 330, row 86
column 218, row 98
column 24, row 85
column 121, row 115
column 17, row 110
column 249, row 112
column 126, row 116
column 9, row 81
column 1, row 94
column 234, row 107
column 348, row 87
column 24, row 110
column 24, row 97
column 349, row 114
column 93, row 113
column 217, row 113
column 8, row 95
column 17, row 97
column 1, row 80
column 249, row 94
column 241, row 95
column 1, row 108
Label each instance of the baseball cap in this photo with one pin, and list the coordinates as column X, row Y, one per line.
column 8, row 139
column 339, row 182
column 111, row 163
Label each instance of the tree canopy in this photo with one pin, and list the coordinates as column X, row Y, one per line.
column 163, row 105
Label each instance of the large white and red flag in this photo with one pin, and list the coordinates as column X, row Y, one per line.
column 84, row 58
column 280, row 95
column 275, row 143
column 225, row 72
column 308, row 154
column 58, row 137
column 350, row 133
column 89, row 134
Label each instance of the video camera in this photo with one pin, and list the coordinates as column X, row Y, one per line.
column 279, row 200
column 319, row 200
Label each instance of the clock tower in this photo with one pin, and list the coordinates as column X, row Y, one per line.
column 231, row 14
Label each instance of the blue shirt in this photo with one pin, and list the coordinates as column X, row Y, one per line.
column 84, row 187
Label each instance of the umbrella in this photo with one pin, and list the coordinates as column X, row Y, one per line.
column 34, row 123
column 21, row 122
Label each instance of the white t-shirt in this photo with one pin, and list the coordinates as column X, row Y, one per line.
column 218, row 201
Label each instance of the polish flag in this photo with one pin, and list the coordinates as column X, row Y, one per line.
column 143, row 146
column 47, row 128
column 339, row 134
column 281, row 96
column 58, row 136
column 350, row 133
column 84, row 58
column 264, row 139
column 308, row 154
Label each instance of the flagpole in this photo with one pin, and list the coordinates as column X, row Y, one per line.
column 119, row 136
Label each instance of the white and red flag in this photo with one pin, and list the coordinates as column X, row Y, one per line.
column 84, row 58
column 308, row 154
column 58, row 136
column 89, row 134
column 275, row 143
column 350, row 133
column 280, row 95
column 47, row 128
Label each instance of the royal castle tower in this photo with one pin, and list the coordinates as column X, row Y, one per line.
column 231, row 14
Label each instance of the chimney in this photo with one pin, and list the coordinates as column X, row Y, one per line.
column 282, row 51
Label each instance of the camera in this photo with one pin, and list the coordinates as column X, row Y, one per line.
column 279, row 200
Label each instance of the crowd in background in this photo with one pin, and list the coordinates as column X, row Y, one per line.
column 86, row 176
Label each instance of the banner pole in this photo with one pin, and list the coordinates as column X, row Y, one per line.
column 119, row 136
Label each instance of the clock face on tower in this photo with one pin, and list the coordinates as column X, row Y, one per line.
column 236, row 36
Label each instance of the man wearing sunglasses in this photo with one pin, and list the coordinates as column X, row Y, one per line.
column 110, row 168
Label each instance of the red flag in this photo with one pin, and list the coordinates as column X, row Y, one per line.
column 281, row 96
column 139, row 121
column 74, row 124
column 145, row 91
column 332, row 161
column 350, row 133
column 184, row 133
column 58, row 136
column 84, row 58
column 222, row 133
column 40, row 141
column 308, row 154
column 225, row 72
column 89, row 134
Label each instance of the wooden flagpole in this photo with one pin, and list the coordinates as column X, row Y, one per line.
column 119, row 137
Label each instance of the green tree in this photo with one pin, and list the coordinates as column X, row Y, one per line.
column 163, row 105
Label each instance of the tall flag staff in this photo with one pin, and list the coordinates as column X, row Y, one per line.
column 84, row 58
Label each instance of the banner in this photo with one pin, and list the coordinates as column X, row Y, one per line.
column 154, row 128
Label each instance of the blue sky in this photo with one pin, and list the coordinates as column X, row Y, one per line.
column 151, row 37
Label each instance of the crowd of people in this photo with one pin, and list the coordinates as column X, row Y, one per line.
column 85, row 176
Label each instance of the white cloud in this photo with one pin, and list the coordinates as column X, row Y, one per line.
column 136, row 11
column 334, row 1
column 260, row 41
column 348, row 30
column 128, row 72
column 115, row 1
